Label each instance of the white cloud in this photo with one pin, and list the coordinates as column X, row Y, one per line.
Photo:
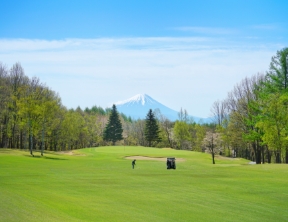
column 207, row 30
column 190, row 73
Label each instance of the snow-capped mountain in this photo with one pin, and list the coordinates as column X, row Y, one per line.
column 137, row 99
column 138, row 106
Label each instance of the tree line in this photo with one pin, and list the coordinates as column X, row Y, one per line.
column 32, row 117
column 157, row 131
column 252, row 122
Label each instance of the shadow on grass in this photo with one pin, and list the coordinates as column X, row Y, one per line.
column 53, row 158
column 2, row 150
column 46, row 157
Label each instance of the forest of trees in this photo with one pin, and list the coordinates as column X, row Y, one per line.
column 32, row 116
column 252, row 122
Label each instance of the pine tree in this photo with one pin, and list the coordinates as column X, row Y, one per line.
column 151, row 128
column 113, row 130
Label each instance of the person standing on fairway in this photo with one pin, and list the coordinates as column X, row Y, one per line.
column 133, row 163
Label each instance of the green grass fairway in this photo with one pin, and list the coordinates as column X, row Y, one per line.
column 99, row 184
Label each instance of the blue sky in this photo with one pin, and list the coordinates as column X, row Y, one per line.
column 182, row 53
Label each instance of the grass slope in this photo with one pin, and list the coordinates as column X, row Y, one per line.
column 98, row 184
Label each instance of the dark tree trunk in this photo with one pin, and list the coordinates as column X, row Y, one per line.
column 1, row 139
column 54, row 145
column 42, row 142
column 4, row 133
column 21, row 139
column 31, row 144
column 247, row 154
column 258, row 157
column 18, row 141
column 10, row 143
column 268, row 155
column 262, row 154
column 278, row 156
column 213, row 158
column 54, row 139
column 212, row 152
column 286, row 155
column 257, row 152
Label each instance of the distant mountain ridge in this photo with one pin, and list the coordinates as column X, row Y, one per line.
column 138, row 106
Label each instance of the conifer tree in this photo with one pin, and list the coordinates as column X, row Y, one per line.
column 113, row 130
column 151, row 128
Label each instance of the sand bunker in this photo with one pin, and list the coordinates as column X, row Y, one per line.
column 226, row 158
column 70, row 153
column 152, row 158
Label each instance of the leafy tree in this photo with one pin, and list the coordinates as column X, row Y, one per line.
column 93, row 130
column 113, row 130
column 49, row 107
column 181, row 133
column 32, row 116
column 166, row 131
column 5, row 100
column 136, row 132
column 273, row 122
column 243, row 105
column 278, row 73
column 151, row 128
column 212, row 143
column 30, row 109
column 200, row 134
column 17, row 82
column 273, row 93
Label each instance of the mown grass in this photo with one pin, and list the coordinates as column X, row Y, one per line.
column 98, row 184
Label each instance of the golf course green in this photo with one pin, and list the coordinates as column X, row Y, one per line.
column 99, row 184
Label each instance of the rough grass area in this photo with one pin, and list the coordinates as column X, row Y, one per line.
column 99, row 184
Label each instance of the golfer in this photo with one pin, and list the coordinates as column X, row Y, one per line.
column 133, row 163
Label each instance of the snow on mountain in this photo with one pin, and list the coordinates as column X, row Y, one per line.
column 138, row 106
column 139, row 98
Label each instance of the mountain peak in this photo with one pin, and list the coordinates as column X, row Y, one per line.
column 137, row 99
column 138, row 106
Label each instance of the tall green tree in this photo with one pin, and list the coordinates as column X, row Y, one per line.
column 151, row 128
column 5, row 100
column 277, row 76
column 17, row 82
column 243, row 103
column 181, row 133
column 200, row 135
column 277, row 83
column 113, row 130
column 166, row 131
column 274, row 123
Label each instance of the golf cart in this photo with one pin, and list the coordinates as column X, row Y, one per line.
column 171, row 164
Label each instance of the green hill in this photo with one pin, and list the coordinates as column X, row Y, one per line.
column 99, row 184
